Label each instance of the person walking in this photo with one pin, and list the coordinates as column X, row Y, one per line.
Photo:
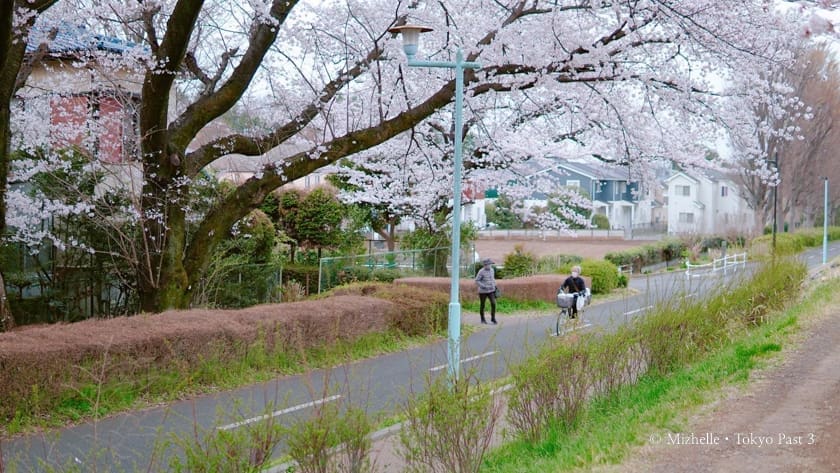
column 485, row 279
column 574, row 284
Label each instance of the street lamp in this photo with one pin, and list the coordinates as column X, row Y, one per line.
column 775, row 198
column 825, row 223
column 411, row 37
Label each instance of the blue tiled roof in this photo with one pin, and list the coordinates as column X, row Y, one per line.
column 73, row 38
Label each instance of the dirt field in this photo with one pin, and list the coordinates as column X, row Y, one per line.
column 595, row 248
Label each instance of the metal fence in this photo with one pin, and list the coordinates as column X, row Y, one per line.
column 240, row 285
column 334, row 271
column 723, row 264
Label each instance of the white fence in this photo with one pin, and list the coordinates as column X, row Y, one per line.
column 725, row 264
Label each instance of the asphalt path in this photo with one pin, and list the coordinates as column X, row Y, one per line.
column 144, row 440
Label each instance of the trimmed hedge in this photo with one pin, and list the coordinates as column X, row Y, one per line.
column 39, row 365
column 659, row 252
column 529, row 288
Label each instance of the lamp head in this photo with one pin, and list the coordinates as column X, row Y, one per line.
column 410, row 37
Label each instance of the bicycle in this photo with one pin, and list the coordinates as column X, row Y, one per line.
column 564, row 302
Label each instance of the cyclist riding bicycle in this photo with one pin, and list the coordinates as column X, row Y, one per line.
column 575, row 285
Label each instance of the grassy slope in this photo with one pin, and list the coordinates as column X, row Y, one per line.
column 612, row 427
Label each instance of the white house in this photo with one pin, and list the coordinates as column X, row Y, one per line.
column 706, row 202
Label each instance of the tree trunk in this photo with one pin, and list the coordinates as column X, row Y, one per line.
column 166, row 284
column 6, row 319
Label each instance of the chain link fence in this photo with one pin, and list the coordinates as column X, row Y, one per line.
column 241, row 285
column 387, row 266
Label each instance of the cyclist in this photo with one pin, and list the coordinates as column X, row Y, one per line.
column 574, row 284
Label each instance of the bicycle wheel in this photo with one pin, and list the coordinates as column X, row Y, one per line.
column 561, row 316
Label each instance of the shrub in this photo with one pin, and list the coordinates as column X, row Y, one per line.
column 604, row 275
column 360, row 273
column 449, row 428
column 637, row 258
column 623, row 280
column 312, row 441
column 244, row 449
column 550, row 387
column 498, row 272
column 520, row 262
column 601, row 222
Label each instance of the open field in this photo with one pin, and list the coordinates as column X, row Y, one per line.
column 594, row 248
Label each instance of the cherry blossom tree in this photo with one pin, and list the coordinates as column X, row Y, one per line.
column 16, row 20
column 627, row 80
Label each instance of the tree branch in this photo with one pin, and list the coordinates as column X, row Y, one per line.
column 212, row 105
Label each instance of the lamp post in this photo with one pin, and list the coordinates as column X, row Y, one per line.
column 775, row 193
column 411, row 37
column 825, row 224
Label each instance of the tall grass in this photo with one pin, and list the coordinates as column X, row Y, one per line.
column 644, row 375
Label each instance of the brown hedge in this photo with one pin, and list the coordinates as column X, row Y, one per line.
column 52, row 359
column 421, row 311
column 541, row 287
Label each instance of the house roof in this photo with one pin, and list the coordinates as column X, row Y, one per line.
column 681, row 174
column 601, row 172
column 695, row 175
column 71, row 38
column 598, row 172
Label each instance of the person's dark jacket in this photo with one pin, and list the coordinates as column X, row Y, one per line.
column 573, row 284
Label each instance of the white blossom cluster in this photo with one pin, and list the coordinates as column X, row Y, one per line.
column 631, row 81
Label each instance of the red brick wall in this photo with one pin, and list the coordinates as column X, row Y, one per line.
column 110, row 129
column 73, row 118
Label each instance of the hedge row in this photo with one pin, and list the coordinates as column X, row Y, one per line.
column 40, row 364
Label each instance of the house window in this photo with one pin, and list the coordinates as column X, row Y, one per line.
column 724, row 191
column 573, row 182
column 686, row 217
column 684, row 191
column 621, row 189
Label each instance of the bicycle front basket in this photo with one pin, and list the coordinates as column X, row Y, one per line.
column 564, row 300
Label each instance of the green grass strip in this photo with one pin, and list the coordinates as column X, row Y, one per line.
column 509, row 306
column 614, row 425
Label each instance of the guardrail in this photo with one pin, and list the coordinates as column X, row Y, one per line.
column 724, row 263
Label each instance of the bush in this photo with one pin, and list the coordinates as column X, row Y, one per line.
column 498, row 272
column 520, row 262
column 604, row 275
column 247, row 448
column 550, row 388
column 637, row 258
column 623, row 280
column 449, row 428
column 361, row 273
column 601, row 222
column 312, row 441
